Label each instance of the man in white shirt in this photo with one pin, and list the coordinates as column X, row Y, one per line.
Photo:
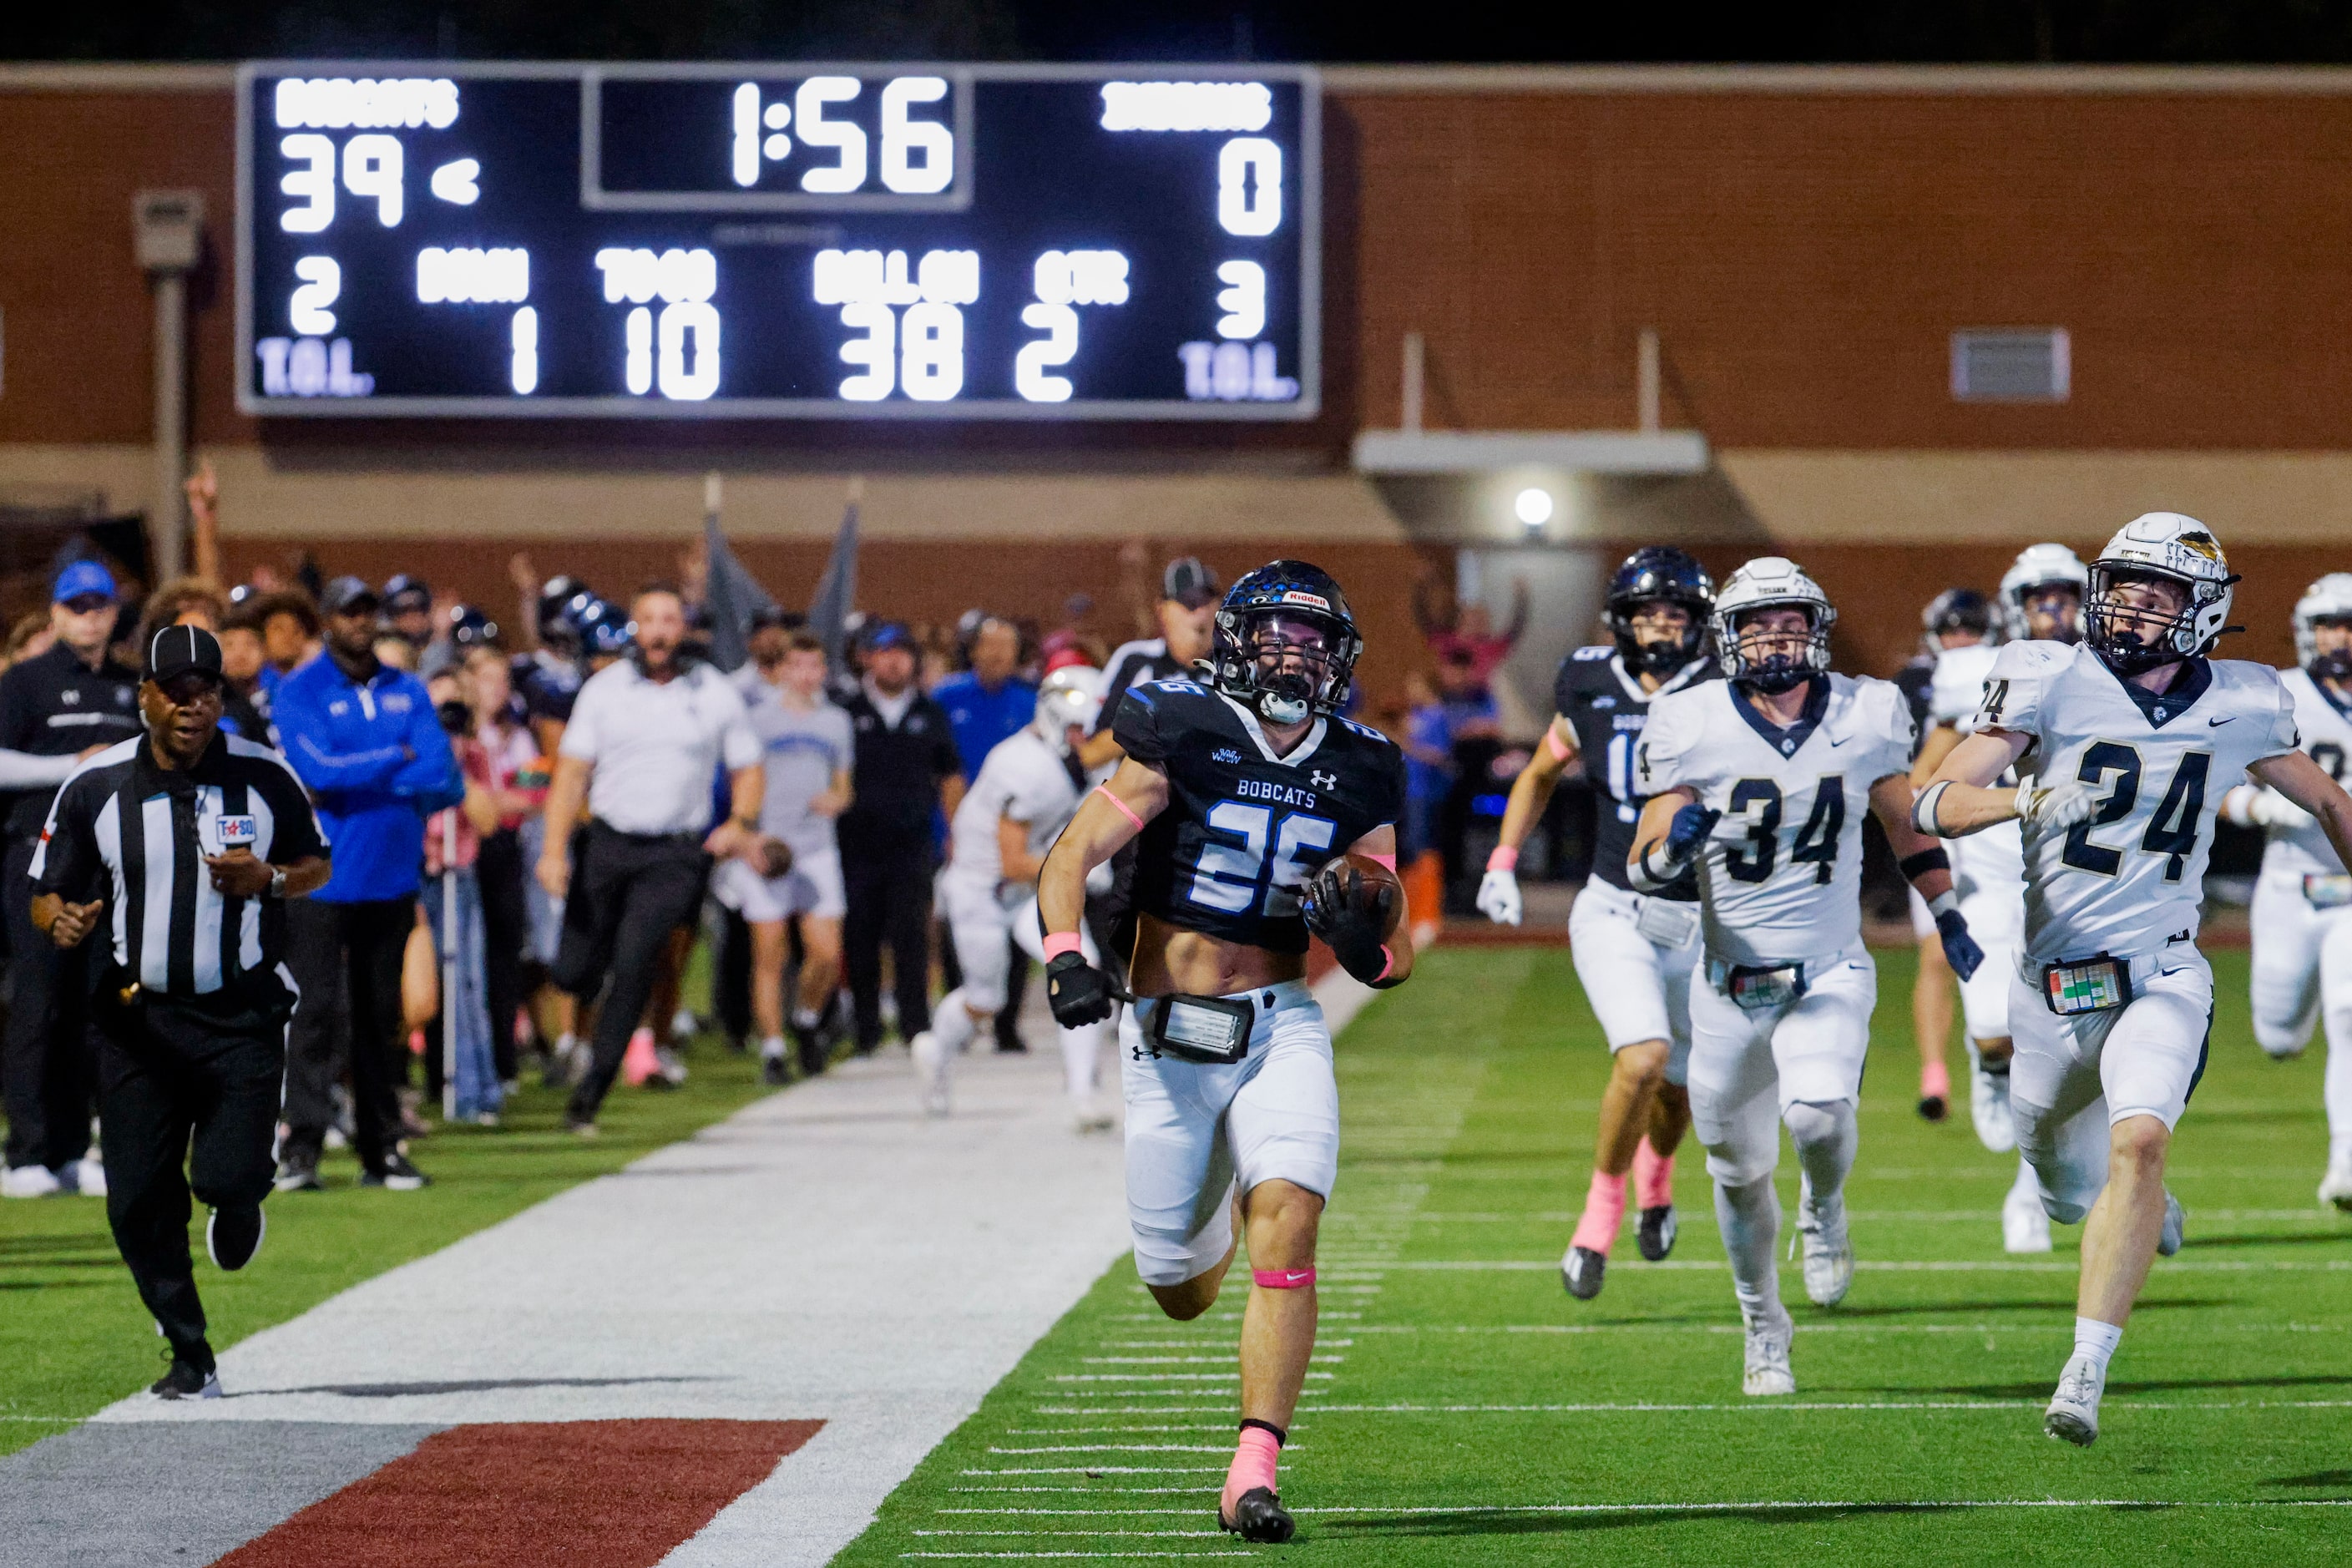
column 647, row 736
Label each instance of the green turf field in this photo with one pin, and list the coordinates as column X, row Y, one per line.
column 1463, row 1409
column 73, row 1337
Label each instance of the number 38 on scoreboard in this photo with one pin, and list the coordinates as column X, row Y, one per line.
column 771, row 241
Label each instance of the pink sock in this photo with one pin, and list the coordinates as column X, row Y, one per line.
column 1604, row 1210
column 1654, row 1177
column 1253, row 1462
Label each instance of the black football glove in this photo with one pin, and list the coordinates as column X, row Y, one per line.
column 1352, row 916
column 1960, row 949
column 1077, row 991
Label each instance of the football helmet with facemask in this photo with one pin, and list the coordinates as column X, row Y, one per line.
column 1071, row 695
column 1962, row 610
column 2328, row 600
column 1770, row 583
column 1654, row 572
column 2169, row 547
column 2039, row 567
column 1286, row 644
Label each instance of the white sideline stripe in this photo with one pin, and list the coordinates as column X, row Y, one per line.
column 1773, row 1407
column 1924, row 1505
column 1918, row 1266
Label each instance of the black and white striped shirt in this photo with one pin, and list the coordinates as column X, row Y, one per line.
column 131, row 832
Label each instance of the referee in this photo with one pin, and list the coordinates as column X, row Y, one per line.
column 180, row 847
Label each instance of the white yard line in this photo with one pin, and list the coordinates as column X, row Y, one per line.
column 816, row 1256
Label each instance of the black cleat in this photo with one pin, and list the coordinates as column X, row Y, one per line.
column 1258, row 1516
column 233, row 1236
column 1932, row 1108
column 397, row 1175
column 188, row 1380
column 300, row 1173
column 1580, row 1271
column 1656, row 1233
column 810, row 1048
column 775, row 1071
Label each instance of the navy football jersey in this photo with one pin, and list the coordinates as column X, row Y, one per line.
column 1244, row 828
column 1607, row 708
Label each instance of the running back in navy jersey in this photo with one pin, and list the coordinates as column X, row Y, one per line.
column 1241, row 829
column 1608, row 708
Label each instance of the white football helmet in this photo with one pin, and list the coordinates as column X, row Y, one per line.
column 2329, row 599
column 2157, row 545
column 2041, row 567
column 1772, row 582
column 1071, row 695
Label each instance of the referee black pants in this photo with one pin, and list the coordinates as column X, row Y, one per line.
column 888, row 889
column 176, row 1089
column 345, row 959
column 629, row 892
column 44, row 1070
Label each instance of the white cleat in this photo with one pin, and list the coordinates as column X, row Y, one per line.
column 2335, row 1187
column 2024, row 1227
column 29, row 1182
column 2175, row 1227
column 1768, row 1375
column 2073, row 1413
column 1989, row 1106
column 931, row 1072
column 1829, row 1249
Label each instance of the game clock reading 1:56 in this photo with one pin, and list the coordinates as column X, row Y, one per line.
column 778, row 240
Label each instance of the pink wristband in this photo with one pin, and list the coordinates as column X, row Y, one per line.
column 1058, row 943
column 1388, row 962
column 1387, row 860
column 1125, row 810
column 1504, row 859
column 1559, row 752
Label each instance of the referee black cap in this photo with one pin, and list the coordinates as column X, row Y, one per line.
column 346, row 595
column 176, row 650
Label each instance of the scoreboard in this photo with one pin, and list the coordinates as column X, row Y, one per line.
column 764, row 240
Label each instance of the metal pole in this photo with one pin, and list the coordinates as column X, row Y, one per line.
column 1414, row 370
column 1649, row 382
column 168, row 531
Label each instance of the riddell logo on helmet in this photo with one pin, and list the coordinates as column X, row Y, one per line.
column 1299, row 597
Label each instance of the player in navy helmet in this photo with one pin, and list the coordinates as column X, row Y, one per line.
column 1634, row 952
column 1235, row 791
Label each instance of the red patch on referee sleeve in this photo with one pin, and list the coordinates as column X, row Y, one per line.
column 587, row 1494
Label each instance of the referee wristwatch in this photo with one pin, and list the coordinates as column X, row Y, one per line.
column 277, row 882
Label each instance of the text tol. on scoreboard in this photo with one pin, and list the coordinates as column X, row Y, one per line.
column 771, row 241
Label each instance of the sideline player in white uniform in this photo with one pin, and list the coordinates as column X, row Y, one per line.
column 1241, row 793
column 807, row 743
column 1022, row 795
column 2303, row 904
column 2041, row 599
column 1633, row 951
column 2133, row 736
column 1761, row 780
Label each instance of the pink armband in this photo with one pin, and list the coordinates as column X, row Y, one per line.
column 1552, row 743
column 1387, row 860
column 1504, row 859
column 1058, row 943
column 1282, row 1278
column 1125, row 810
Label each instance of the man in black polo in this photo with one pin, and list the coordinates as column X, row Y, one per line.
column 189, row 1007
column 906, row 769
column 70, row 702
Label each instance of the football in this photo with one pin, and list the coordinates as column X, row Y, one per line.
column 1373, row 871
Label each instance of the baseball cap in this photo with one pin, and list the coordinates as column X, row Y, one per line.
column 1188, row 583
column 407, row 593
column 889, row 634
column 176, row 650
column 778, row 617
column 84, row 579
column 346, row 594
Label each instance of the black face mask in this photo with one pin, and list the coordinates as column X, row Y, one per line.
column 456, row 717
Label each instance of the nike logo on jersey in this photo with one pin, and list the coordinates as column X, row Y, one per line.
column 2217, row 723
column 1835, row 744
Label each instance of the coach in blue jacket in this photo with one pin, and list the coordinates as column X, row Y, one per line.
column 362, row 736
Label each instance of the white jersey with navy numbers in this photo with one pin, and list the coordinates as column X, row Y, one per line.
column 2326, row 726
column 1022, row 778
column 1994, row 859
column 2129, row 880
column 1780, row 880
